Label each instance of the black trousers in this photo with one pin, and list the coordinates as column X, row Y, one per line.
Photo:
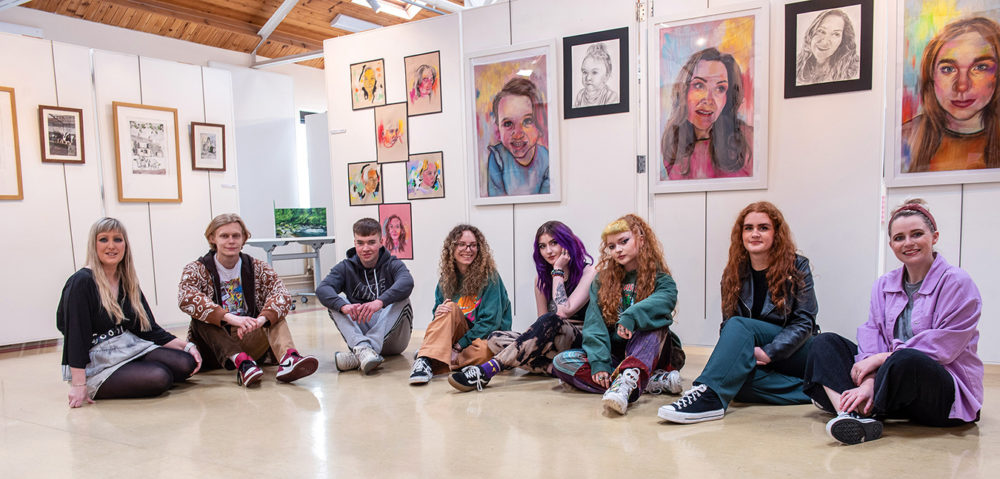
column 909, row 385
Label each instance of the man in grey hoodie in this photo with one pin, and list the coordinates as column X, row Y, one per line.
column 375, row 318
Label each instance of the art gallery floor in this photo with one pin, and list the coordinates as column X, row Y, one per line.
column 521, row 426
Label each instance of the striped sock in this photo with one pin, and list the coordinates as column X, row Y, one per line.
column 491, row 368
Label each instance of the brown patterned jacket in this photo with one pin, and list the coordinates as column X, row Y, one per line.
column 198, row 293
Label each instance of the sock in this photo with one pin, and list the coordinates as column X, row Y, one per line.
column 239, row 358
column 491, row 368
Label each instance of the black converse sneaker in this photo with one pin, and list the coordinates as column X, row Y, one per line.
column 851, row 428
column 469, row 378
column 700, row 403
column 421, row 372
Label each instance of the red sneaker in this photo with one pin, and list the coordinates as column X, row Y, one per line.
column 294, row 366
column 248, row 373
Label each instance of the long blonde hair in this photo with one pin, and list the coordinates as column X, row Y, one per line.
column 480, row 272
column 126, row 274
column 611, row 274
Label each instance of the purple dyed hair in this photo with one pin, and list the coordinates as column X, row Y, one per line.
column 579, row 258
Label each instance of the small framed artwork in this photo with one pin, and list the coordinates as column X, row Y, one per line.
column 595, row 73
column 397, row 229
column 708, row 101
column 425, row 176
column 208, row 146
column 828, row 47
column 514, row 124
column 61, row 132
column 146, row 146
column 10, row 151
column 391, row 133
column 364, row 183
column 423, row 83
column 299, row 222
column 367, row 84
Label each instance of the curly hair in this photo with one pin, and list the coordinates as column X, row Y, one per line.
column 610, row 273
column 480, row 272
column 579, row 258
column 783, row 279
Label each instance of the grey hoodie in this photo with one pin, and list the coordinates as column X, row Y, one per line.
column 388, row 281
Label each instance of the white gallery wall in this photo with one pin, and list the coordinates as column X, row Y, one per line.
column 824, row 167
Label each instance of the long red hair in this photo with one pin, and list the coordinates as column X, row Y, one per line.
column 610, row 273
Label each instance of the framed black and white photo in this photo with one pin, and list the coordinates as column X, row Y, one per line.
column 595, row 73
column 828, row 47
column 208, row 146
column 147, row 149
column 61, row 133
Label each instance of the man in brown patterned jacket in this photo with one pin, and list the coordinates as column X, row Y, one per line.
column 237, row 306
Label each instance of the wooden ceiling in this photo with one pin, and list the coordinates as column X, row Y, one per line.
column 228, row 24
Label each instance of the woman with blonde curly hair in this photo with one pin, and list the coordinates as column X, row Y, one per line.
column 769, row 310
column 626, row 330
column 470, row 302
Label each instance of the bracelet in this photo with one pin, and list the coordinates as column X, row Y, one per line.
column 78, row 385
column 558, row 272
column 188, row 347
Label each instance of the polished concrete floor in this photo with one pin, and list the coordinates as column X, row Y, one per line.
column 346, row 425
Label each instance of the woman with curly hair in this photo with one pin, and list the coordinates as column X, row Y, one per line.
column 470, row 302
column 626, row 330
column 829, row 50
column 769, row 310
column 561, row 295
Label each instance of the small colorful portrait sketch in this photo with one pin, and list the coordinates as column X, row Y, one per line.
column 367, row 84
column 425, row 176
column 391, row 133
column 423, row 83
column 364, row 183
column 397, row 229
column 950, row 119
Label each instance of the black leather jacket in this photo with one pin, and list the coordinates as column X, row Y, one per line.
column 800, row 322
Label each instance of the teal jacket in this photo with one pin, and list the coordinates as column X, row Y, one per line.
column 492, row 313
column 653, row 312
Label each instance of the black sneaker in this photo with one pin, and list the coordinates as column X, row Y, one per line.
column 249, row 373
column 698, row 404
column 469, row 378
column 851, row 428
column 421, row 372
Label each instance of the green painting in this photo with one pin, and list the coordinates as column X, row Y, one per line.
column 299, row 222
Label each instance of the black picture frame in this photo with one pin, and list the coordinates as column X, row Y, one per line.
column 571, row 75
column 381, row 113
column 413, row 191
column 793, row 35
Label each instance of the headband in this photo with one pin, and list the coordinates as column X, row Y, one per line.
column 919, row 209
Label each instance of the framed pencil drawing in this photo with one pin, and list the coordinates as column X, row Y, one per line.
column 595, row 73
column 61, row 134
column 146, row 147
column 10, row 151
column 208, row 146
column 828, row 47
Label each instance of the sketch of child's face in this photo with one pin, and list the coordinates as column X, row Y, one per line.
column 706, row 95
column 429, row 175
column 827, row 37
column 965, row 76
column 516, row 122
column 595, row 74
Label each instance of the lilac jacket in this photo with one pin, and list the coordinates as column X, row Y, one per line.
column 945, row 318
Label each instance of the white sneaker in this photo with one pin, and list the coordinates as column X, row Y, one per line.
column 421, row 372
column 663, row 382
column 616, row 397
column 346, row 361
column 368, row 358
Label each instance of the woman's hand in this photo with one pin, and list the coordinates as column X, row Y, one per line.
column 197, row 358
column 867, row 367
column 562, row 260
column 603, row 378
column 624, row 332
column 78, row 396
column 761, row 357
column 859, row 399
column 444, row 308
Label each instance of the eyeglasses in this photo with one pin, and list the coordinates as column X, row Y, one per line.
column 466, row 246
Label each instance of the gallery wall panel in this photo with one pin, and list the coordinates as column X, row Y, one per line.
column 218, row 95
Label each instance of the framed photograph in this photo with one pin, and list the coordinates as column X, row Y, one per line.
column 828, row 47
column 208, row 146
column 708, row 101
column 423, row 83
column 397, row 229
column 425, row 176
column 367, row 84
column 299, row 222
column 392, row 141
column 944, row 123
column 514, row 124
column 146, row 146
column 364, row 183
column 595, row 73
column 61, row 133
column 10, row 151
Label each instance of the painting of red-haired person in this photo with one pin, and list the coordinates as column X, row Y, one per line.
column 391, row 141
column 956, row 127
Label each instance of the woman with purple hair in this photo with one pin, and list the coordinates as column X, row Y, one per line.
column 565, row 272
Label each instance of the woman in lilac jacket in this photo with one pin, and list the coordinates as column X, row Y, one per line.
column 916, row 355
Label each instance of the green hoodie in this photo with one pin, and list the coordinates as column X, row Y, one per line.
column 486, row 313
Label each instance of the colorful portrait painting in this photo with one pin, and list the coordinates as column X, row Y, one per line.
column 423, row 83
column 364, row 183
column 707, row 79
column 514, row 123
column 367, row 84
column 397, row 229
column 391, row 133
column 425, row 176
column 950, row 113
